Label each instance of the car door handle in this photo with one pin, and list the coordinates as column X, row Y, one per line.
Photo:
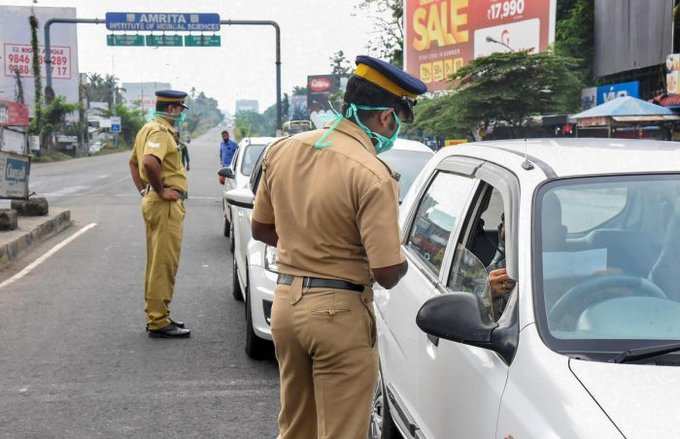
column 433, row 339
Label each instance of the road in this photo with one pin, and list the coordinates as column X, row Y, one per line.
column 75, row 361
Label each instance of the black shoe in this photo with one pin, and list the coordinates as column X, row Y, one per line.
column 170, row 331
column 178, row 324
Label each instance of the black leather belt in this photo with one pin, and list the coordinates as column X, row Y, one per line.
column 316, row 282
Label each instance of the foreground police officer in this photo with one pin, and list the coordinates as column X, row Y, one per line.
column 331, row 207
column 158, row 173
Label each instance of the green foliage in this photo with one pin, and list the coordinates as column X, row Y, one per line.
column 54, row 118
column 300, row 91
column 387, row 39
column 340, row 65
column 131, row 121
column 510, row 87
column 203, row 115
column 100, row 88
column 575, row 35
column 252, row 124
column 36, row 123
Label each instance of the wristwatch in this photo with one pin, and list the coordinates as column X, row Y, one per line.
column 142, row 192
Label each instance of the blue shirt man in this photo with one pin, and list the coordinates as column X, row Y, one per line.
column 227, row 149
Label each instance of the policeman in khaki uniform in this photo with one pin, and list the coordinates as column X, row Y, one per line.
column 159, row 175
column 331, row 207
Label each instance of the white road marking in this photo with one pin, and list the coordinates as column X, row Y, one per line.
column 44, row 257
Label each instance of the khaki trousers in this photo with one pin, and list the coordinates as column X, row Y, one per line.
column 164, row 224
column 328, row 362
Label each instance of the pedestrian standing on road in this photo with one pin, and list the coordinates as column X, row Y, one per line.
column 227, row 149
column 330, row 206
column 158, row 173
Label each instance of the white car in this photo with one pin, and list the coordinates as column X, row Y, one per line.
column 587, row 344
column 256, row 272
column 238, row 173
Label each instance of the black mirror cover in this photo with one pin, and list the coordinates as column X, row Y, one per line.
column 456, row 317
column 226, row 172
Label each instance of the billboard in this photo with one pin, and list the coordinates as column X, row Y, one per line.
column 15, row 170
column 441, row 36
column 673, row 74
column 16, row 53
column 606, row 93
column 643, row 33
column 13, row 114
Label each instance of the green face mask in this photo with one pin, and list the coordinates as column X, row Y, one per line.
column 176, row 120
column 382, row 143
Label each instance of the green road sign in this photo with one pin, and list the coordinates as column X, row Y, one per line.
column 202, row 41
column 164, row 40
column 124, row 40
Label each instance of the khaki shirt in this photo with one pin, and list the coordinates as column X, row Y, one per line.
column 157, row 138
column 335, row 209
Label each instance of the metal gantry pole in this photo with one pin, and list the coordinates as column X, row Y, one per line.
column 276, row 27
column 48, row 45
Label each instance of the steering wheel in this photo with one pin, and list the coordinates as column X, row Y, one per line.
column 578, row 298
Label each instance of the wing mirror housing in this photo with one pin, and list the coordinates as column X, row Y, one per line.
column 241, row 197
column 458, row 317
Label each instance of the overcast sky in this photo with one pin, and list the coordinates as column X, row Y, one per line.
column 243, row 68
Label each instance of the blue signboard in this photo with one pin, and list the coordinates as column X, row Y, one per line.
column 606, row 93
column 162, row 21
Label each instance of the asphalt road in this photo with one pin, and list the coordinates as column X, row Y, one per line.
column 75, row 361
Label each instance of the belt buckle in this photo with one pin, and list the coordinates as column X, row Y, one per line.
column 307, row 282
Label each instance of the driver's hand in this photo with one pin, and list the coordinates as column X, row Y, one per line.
column 500, row 282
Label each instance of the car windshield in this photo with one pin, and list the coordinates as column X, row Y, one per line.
column 607, row 252
column 251, row 154
column 408, row 164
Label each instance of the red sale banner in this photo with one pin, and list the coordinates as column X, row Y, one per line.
column 13, row 114
column 441, row 36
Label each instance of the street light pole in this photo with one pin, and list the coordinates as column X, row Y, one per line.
column 493, row 40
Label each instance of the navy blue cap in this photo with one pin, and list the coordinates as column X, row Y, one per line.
column 388, row 76
column 171, row 96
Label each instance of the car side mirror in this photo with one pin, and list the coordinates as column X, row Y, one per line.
column 226, row 172
column 242, row 197
column 456, row 317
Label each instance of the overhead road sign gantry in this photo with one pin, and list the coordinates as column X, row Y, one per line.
column 202, row 41
column 162, row 21
column 124, row 40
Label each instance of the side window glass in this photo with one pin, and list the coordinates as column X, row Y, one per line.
column 438, row 214
column 483, row 252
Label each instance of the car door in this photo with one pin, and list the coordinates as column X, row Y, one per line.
column 460, row 386
column 436, row 217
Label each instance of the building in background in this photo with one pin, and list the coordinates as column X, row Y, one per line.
column 632, row 42
column 247, row 105
column 142, row 95
column 16, row 53
column 441, row 36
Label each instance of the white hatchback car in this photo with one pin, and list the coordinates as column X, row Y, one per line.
column 256, row 272
column 238, row 173
column 587, row 344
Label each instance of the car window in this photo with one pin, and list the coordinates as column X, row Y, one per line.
column 618, row 281
column 250, row 156
column 586, row 209
column 481, row 249
column 407, row 164
column 437, row 216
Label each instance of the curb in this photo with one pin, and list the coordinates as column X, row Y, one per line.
column 42, row 232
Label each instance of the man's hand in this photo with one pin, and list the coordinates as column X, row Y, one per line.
column 169, row 194
column 500, row 282
column 388, row 277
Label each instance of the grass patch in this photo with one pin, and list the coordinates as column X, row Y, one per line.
column 51, row 156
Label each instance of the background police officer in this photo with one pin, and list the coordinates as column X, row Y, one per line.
column 331, row 208
column 159, row 175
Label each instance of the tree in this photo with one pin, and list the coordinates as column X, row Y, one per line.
column 340, row 65
column 575, row 34
column 509, row 87
column 300, row 91
column 387, row 40
column 36, row 123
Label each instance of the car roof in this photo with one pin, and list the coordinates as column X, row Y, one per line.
column 257, row 140
column 411, row 145
column 579, row 156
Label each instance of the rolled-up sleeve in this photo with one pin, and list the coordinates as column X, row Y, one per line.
column 378, row 223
